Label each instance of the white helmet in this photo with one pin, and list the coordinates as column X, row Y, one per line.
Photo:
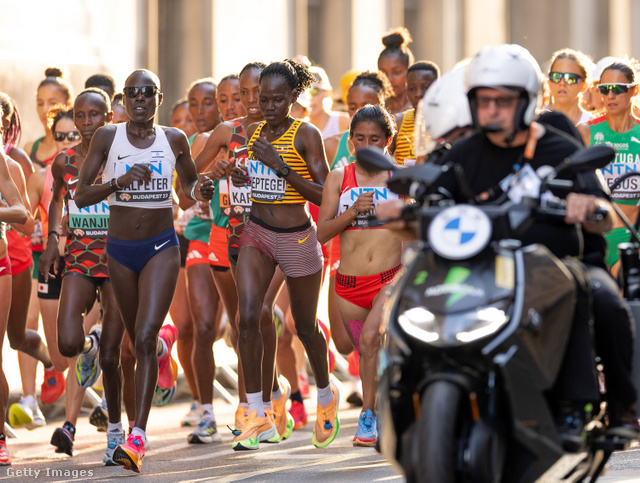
column 445, row 107
column 507, row 66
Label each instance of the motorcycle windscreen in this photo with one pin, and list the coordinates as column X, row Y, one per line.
column 548, row 308
column 447, row 287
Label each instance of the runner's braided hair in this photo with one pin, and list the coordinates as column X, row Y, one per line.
column 253, row 65
column 99, row 92
column 377, row 115
column 395, row 43
column 427, row 66
column 296, row 75
column 55, row 76
column 377, row 81
column 11, row 135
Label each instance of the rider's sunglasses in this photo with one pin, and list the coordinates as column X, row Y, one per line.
column 69, row 136
column 604, row 89
column 147, row 91
column 569, row 77
column 500, row 102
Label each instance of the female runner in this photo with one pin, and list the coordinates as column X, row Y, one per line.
column 287, row 167
column 85, row 278
column 138, row 159
column 394, row 61
column 12, row 210
column 370, row 256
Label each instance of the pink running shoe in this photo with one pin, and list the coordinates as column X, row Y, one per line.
column 130, row 454
column 299, row 414
column 166, row 374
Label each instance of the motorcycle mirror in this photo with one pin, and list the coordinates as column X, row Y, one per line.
column 595, row 157
column 407, row 181
column 374, row 159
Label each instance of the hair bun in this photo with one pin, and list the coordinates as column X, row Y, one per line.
column 397, row 38
column 53, row 72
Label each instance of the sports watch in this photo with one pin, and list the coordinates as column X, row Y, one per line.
column 284, row 171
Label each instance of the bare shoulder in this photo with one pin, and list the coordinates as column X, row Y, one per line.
column 174, row 134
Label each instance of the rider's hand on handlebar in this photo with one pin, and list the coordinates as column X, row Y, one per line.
column 581, row 207
column 391, row 212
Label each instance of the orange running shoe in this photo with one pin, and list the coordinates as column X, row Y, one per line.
column 299, row 415
column 166, row 373
column 52, row 386
column 4, row 454
column 327, row 424
column 256, row 429
column 241, row 416
column 130, row 454
column 283, row 420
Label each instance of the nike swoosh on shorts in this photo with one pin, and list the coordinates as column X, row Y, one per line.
column 158, row 247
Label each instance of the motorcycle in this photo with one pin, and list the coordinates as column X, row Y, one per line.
column 475, row 333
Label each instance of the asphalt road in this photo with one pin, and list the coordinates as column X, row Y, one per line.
column 170, row 458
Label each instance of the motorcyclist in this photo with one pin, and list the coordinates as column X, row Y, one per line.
column 503, row 87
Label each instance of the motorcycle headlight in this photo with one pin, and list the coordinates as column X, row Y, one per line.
column 443, row 330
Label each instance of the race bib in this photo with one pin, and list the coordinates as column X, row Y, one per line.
column 157, row 190
column 90, row 221
column 350, row 196
column 266, row 185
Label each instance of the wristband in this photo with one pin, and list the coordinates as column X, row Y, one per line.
column 358, row 213
column 114, row 183
column 193, row 192
column 53, row 232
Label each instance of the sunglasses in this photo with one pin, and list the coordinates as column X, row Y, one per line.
column 147, row 91
column 500, row 102
column 568, row 77
column 69, row 136
column 604, row 89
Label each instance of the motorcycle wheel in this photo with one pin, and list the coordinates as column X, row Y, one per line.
column 438, row 434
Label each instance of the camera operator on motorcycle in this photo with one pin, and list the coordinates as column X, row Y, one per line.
column 503, row 87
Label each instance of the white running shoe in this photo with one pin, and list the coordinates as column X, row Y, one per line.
column 194, row 416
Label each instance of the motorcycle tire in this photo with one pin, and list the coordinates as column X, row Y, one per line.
column 438, row 434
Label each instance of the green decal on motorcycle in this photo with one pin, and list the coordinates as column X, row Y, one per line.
column 456, row 275
column 421, row 277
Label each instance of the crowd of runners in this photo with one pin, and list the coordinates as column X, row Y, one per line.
column 228, row 221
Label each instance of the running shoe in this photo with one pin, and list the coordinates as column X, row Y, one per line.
column 194, row 416
column 241, row 416
column 303, row 385
column 4, row 454
column 88, row 367
column 114, row 439
column 207, row 432
column 130, row 454
column 52, row 386
column 299, row 415
column 327, row 424
column 255, row 429
column 166, row 364
column 355, row 396
column 367, row 433
column 283, row 420
column 26, row 413
column 63, row 437
column 353, row 361
column 99, row 418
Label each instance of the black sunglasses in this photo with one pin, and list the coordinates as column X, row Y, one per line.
column 69, row 136
column 617, row 89
column 569, row 77
column 147, row 91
